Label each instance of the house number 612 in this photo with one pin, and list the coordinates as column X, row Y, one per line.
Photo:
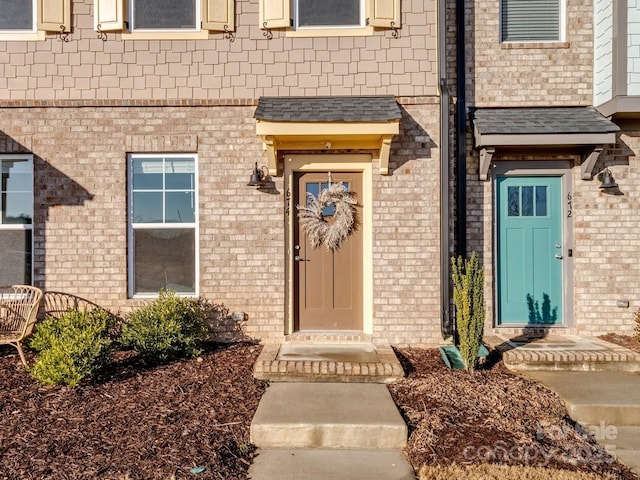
column 569, row 206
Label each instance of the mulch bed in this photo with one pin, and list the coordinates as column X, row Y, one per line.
column 132, row 422
column 490, row 416
column 626, row 341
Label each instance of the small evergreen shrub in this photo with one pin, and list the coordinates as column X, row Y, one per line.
column 468, row 297
column 72, row 347
column 168, row 328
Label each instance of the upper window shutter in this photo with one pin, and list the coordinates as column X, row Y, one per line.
column 108, row 15
column 218, row 15
column 53, row 15
column 275, row 13
column 530, row 20
column 385, row 13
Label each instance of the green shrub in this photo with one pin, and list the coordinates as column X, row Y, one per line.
column 468, row 297
column 168, row 328
column 72, row 347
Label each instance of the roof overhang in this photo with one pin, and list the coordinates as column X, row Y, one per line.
column 621, row 106
column 582, row 130
column 327, row 123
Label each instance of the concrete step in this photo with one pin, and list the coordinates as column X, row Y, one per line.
column 321, row 464
column 354, row 362
column 631, row 458
column 328, row 415
column 627, row 438
column 596, row 398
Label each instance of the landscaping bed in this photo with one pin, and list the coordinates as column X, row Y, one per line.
column 491, row 416
column 132, row 422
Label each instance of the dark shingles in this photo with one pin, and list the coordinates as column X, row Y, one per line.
column 328, row 109
column 540, row 120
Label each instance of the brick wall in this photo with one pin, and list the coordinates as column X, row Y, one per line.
column 249, row 67
column 80, row 223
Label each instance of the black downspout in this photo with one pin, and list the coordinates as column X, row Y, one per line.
column 445, row 317
column 461, row 134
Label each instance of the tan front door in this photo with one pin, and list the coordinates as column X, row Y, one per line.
column 328, row 285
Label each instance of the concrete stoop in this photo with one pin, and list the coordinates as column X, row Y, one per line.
column 606, row 404
column 320, row 431
column 564, row 353
column 328, row 362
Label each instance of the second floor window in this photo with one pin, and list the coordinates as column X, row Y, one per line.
column 165, row 14
column 329, row 13
column 530, row 20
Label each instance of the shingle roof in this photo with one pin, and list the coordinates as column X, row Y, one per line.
column 540, row 120
column 328, row 109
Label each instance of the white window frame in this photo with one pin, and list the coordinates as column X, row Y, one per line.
column 131, row 226
column 363, row 20
column 562, row 27
column 21, row 226
column 197, row 21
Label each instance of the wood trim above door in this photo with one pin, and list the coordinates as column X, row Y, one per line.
column 336, row 163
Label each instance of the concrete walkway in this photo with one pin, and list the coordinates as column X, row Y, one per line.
column 321, row 431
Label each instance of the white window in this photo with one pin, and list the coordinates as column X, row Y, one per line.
column 30, row 19
column 531, row 20
column 163, row 227
column 16, row 223
column 165, row 15
column 329, row 13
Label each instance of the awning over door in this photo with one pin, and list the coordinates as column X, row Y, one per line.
column 583, row 129
column 327, row 123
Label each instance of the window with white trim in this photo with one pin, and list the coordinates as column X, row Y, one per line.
column 30, row 19
column 16, row 223
column 329, row 13
column 163, row 226
column 165, row 15
column 531, row 20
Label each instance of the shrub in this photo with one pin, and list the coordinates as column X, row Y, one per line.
column 168, row 328
column 468, row 297
column 72, row 347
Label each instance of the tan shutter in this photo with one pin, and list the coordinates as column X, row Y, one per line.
column 54, row 14
column 275, row 13
column 385, row 13
column 218, row 15
column 108, row 14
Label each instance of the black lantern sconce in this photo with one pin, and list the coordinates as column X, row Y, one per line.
column 608, row 182
column 258, row 177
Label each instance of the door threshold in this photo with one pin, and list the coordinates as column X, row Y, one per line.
column 329, row 336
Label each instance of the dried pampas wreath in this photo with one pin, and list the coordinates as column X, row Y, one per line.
column 318, row 230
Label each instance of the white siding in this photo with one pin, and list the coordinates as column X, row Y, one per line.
column 633, row 49
column 603, row 52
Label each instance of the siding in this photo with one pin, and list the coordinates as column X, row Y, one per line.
column 603, row 52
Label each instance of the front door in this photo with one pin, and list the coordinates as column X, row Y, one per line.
column 530, row 250
column 328, row 284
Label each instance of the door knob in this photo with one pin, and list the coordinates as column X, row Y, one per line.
column 559, row 256
column 298, row 258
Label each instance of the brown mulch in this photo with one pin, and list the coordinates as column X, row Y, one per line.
column 626, row 341
column 132, row 422
column 491, row 416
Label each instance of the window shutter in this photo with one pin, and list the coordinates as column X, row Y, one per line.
column 218, row 15
column 275, row 13
column 385, row 13
column 530, row 20
column 54, row 14
column 109, row 14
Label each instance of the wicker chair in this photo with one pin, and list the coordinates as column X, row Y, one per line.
column 18, row 310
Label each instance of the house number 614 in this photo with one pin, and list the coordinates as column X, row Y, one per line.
column 569, row 206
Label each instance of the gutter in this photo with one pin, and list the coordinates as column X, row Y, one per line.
column 446, row 325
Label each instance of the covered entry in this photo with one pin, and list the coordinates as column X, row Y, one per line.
column 529, row 155
column 317, row 143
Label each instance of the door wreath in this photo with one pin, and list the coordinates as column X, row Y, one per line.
column 315, row 226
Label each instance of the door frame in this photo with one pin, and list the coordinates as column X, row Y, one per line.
column 532, row 168
column 321, row 163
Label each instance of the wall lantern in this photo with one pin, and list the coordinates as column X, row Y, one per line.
column 258, row 177
column 608, row 182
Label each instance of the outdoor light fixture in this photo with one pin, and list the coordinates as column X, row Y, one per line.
column 258, row 177
column 608, row 181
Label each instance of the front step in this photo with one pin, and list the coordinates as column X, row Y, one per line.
column 564, row 353
column 328, row 362
column 328, row 415
column 317, row 464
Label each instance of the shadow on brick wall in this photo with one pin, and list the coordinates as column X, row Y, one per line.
column 413, row 143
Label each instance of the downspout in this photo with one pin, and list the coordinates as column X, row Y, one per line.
column 461, row 134
column 446, row 326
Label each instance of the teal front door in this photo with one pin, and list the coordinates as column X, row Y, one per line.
column 530, row 252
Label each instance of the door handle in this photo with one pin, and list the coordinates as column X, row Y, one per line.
column 559, row 256
column 298, row 258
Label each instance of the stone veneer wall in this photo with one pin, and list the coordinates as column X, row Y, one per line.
column 80, row 224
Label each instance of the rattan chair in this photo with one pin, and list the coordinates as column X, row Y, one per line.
column 18, row 311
